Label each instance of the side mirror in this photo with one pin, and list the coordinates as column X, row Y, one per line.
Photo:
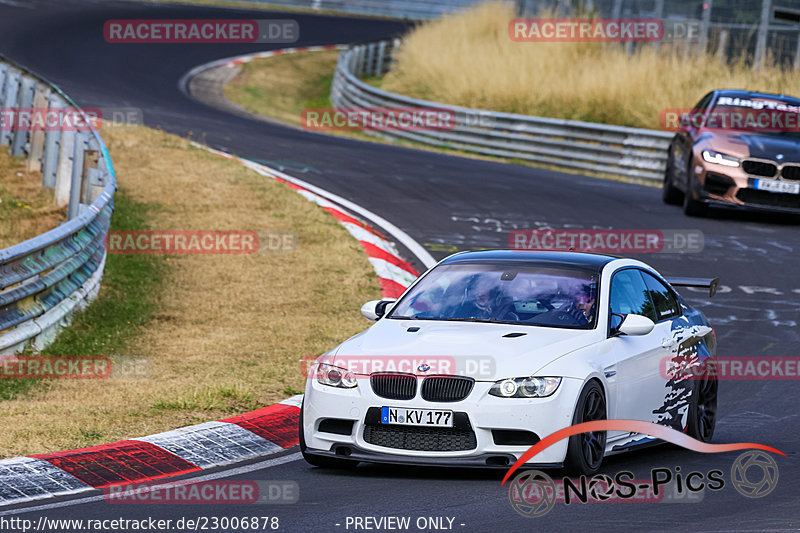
column 375, row 309
column 636, row 325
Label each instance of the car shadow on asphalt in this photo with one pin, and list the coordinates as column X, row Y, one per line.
column 638, row 461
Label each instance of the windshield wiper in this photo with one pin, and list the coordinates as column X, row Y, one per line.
column 401, row 317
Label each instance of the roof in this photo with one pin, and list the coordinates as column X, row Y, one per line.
column 532, row 257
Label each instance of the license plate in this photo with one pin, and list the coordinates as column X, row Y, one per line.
column 416, row 417
column 778, row 186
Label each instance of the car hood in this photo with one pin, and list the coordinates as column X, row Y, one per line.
column 760, row 146
column 485, row 352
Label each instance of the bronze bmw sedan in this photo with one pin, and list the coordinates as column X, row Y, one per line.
column 737, row 149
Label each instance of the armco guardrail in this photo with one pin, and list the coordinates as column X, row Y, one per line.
column 568, row 144
column 44, row 279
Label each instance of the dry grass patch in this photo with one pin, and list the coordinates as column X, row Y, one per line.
column 26, row 210
column 468, row 59
column 229, row 330
column 282, row 86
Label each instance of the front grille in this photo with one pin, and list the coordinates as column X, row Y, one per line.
column 421, row 438
column 791, row 172
column 769, row 199
column 759, row 168
column 394, row 386
column 446, row 388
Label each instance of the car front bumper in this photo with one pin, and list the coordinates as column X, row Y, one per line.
column 732, row 188
column 480, row 414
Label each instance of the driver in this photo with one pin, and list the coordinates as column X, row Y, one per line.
column 582, row 308
column 483, row 301
column 479, row 302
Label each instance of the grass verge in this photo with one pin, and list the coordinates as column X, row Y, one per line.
column 282, row 86
column 130, row 284
column 26, row 210
column 223, row 334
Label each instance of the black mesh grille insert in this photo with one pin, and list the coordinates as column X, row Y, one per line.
column 394, row 386
column 790, row 173
column 768, row 199
column 446, row 388
column 421, row 438
column 759, row 168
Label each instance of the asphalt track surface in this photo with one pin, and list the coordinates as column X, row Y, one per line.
column 461, row 203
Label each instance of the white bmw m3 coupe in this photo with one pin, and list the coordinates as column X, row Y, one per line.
column 489, row 352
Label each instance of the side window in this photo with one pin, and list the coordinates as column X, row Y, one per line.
column 699, row 110
column 629, row 295
column 703, row 103
column 664, row 302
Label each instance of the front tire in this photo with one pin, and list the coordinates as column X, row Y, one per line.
column 585, row 451
column 692, row 207
column 669, row 193
column 702, row 416
column 321, row 462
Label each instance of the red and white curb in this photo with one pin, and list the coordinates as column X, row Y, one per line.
column 181, row 451
column 235, row 61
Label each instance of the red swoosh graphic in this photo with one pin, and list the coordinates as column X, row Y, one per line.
column 635, row 426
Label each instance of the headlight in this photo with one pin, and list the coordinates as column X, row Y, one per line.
column 333, row 376
column 720, row 159
column 530, row 387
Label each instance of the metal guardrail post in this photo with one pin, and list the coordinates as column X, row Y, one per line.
column 381, row 54
column 20, row 137
column 10, row 92
column 93, row 182
column 64, row 173
column 3, row 72
column 76, row 179
column 52, row 140
column 393, row 54
column 37, row 136
column 370, row 62
column 360, row 61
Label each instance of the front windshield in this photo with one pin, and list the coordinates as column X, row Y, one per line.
column 757, row 115
column 563, row 297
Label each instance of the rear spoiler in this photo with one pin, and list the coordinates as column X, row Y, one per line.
column 704, row 283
